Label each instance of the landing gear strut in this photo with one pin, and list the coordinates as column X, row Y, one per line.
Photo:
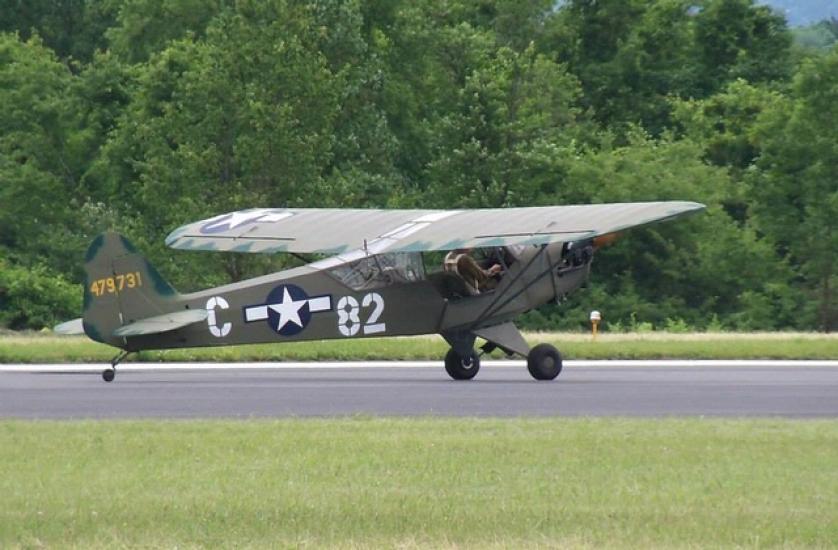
column 109, row 374
column 461, row 367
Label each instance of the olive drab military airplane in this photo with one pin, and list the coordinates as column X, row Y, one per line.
column 377, row 281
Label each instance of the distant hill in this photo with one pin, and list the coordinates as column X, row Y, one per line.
column 804, row 12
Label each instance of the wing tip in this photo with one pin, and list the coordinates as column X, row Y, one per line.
column 173, row 237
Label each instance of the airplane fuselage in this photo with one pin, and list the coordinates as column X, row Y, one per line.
column 311, row 303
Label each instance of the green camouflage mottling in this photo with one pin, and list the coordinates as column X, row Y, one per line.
column 87, row 297
column 94, row 248
column 93, row 333
column 415, row 246
column 175, row 234
column 453, row 244
column 129, row 246
column 161, row 285
column 495, row 241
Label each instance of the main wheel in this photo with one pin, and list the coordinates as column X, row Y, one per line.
column 108, row 375
column 544, row 362
column 461, row 368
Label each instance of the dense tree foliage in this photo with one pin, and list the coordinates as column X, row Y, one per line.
column 141, row 115
column 820, row 36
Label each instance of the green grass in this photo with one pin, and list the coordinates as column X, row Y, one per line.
column 37, row 348
column 363, row 482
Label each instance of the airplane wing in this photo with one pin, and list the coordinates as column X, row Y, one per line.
column 334, row 231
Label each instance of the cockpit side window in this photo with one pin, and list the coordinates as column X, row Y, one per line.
column 380, row 270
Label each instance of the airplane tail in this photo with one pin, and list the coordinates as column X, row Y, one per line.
column 121, row 287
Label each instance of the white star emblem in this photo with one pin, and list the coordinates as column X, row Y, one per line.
column 284, row 309
column 226, row 222
column 289, row 310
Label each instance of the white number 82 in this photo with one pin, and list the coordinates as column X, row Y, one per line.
column 349, row 320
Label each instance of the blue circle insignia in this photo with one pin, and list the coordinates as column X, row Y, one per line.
column 288, row 310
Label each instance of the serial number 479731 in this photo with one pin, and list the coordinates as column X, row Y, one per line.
column 110, row 285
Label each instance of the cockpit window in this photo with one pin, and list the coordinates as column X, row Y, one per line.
column 380, row 270
column 515, row 250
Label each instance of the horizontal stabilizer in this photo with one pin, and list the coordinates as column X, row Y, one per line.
column 70, row 328
column 163, row 323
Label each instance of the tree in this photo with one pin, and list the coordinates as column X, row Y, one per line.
column 41, row 152
column 724, row 125
column 689, row 270
column 795, row 188
column 145, row 27
column 819, row 36
column 71, row 28
column 503, row 144
column 633, row 56
column 737, row 39
column 604, row 47
column 242, row 118
column 140, row 115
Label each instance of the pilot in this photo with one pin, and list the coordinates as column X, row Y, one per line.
column 459, row 261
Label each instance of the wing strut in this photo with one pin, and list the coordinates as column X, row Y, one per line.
column 491, row 309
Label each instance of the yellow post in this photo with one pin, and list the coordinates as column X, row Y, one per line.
column 595, row 319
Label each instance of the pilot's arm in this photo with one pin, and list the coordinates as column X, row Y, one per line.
column 450, row 261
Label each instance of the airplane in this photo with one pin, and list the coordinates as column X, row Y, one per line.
column 379, row 279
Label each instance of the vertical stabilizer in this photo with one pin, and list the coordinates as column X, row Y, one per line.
column 120, row 287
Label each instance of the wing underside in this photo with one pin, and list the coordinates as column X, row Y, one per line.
column 335, row 231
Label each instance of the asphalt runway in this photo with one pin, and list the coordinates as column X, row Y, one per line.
column 801, row 390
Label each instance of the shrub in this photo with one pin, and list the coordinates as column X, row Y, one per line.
column 34, row 297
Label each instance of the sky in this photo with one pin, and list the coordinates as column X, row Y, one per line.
column 804, row 12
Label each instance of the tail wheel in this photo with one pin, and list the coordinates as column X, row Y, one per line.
column 461, row 367
column 544, row 362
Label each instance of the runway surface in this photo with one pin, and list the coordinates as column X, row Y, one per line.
column 687, row 388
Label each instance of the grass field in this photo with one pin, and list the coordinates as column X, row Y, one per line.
column 362, row 482
column 40, row 348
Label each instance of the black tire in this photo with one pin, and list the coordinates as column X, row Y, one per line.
column 461, row 368
column 544, row 362
column 108, row 375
